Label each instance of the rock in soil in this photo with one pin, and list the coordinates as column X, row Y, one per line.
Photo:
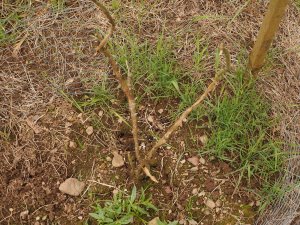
column 154, row 221
column 202, row 161
column 210, row 204
column 89, row 130
column 194, row 160
column 204, row 139
column 72, row 186
column 117, row 160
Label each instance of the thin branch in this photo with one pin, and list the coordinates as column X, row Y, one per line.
column 111, row 29
column 106, row 13
column 131, row 102
column 185, row 114
column 125, row 85
column 133, row 114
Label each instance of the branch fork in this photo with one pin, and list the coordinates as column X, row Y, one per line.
column 126, row 86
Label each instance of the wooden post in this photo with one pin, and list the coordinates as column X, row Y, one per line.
column 269, row 27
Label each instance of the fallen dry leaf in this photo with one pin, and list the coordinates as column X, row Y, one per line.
column 147, row 172
column 37, row 129
column 17, row 47
column 72, row 186
column 117, row 160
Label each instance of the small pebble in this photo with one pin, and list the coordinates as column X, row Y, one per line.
column 202, row 193
column 202, row 160
column 206, row 212
column 192, row 222
column 89, row 130
column 204, row 139
column 210, row 203
column 150, row 119
column 100, row 114
column 195, row 191
column 194, row 169
column 160, row 111
column 72, row 144
column 194, row 160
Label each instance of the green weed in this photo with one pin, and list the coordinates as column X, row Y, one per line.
column 297, row 3
column 241, row 131
column 115, row 4
column 11, row 22
column 154, row 69
column 100, row 96
column 157, row 75
column 57, row 5
column 124, row 210
column 271, row 192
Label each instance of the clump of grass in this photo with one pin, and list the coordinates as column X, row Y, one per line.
column 157, row 74
column 11, row 21
column 241, row 131
column 123, row 209
column 57, row 5
column 297, row 3
column 154, row 69
column 99, row 96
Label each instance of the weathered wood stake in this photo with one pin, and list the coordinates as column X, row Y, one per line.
column 269, row 27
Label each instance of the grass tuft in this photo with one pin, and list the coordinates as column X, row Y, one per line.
column 122, row 209
column 241, row 131
column 154, row 69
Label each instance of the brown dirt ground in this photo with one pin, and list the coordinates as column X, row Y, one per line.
column 37, row 123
